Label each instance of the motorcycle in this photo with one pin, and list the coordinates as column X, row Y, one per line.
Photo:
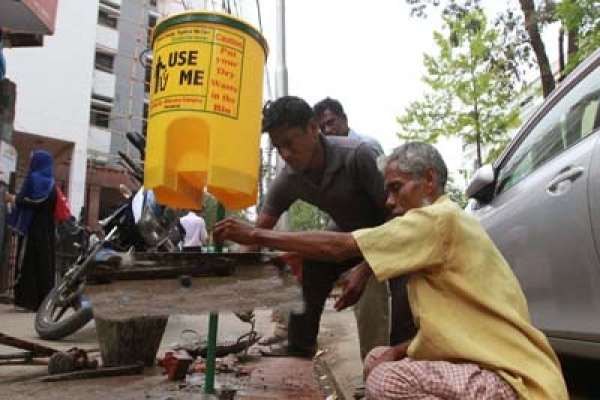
column 139, row 225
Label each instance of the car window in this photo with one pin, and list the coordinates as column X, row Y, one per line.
column 571, row 119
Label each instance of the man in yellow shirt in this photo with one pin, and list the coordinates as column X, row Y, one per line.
column 474, row 337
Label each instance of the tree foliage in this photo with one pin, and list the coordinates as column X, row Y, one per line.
column 581, row 19
column 305, row 217
column 418, row 8
column 209, row 213
column 522, row 29
column 471, row 86
column 456, row 193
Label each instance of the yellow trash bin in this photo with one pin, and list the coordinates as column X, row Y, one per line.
column 205, row 107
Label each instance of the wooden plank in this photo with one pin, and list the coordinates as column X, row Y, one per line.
column 34, row 348
column 262, row 285
column 133, row 369
column 164, row 265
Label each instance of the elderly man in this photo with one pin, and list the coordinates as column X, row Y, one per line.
column 474, row 337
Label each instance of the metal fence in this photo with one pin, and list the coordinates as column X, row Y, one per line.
column 8, row 265
column 65, row 254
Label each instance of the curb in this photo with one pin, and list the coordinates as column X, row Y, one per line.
column 339, row 354
column 343, row 371
column 321, row 364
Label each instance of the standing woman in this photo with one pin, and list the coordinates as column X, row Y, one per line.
column 33, row 219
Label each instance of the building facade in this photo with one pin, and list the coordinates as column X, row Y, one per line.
column 80, row 93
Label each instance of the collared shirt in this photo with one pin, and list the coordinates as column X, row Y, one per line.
column 195, row 230
column 466, row 301
column 350, row 190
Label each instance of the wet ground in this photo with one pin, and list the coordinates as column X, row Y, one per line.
column 338, row 368
column 269, row 378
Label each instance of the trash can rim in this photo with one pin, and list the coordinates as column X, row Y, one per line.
column 210, row 17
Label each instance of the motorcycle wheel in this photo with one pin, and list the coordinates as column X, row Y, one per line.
column 55, row 320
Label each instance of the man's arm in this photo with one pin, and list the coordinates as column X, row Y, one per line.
column 318, row 245
column 277, row 200
column 263, row 221
column 353, row 284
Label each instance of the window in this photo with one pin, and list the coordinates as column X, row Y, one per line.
column 147, row 79
column 104, row 61
column 151, row 24
column 100, row 115
column 107, row 19
column 145, row 119
column 571, row 119
column 152, row 21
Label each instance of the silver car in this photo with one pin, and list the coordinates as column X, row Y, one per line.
column 540, row 204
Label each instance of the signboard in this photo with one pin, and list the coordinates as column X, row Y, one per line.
column 31, row 16
column 8, row 161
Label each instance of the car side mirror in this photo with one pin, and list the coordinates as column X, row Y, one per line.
column 479, row 187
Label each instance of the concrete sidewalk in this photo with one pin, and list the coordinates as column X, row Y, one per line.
column 338, row 338
column 337, row 370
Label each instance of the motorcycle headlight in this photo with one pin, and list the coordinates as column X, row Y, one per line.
column 93, row 240
column 150, row 226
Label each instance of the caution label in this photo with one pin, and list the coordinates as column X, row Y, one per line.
column 197, row 68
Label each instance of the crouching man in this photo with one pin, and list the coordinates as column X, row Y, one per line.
column 474, row 337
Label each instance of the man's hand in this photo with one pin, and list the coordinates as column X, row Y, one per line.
column 394, row 353
column 294, row 261
column 235, row 230
column 9, row 197
column 353, row 285
column 247, row 249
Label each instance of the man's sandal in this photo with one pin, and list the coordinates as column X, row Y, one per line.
column 271, row 340
column 283, row 350
column 359, row 391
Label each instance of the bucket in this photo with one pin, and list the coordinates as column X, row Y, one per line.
column 204, row 113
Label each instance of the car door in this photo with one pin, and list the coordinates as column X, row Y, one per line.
column 540, row 217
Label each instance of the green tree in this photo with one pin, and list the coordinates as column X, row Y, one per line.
column 581, row 20
column 534, row 20
column 305, row 217
column 522, row 32
column 471, row 87
column 456, row 193
column 209, row 213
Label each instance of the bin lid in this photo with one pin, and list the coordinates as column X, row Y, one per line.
column 210, row 17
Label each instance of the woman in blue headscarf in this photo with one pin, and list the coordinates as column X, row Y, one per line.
column 33, row 219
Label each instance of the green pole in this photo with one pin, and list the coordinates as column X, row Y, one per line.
column 211, row 353
column 213, row 323
column 220, row 215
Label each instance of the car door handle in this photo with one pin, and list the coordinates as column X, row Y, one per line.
column 569, row 175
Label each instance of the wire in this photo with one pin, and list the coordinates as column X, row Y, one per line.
column 259, row 15
column 266, row 70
